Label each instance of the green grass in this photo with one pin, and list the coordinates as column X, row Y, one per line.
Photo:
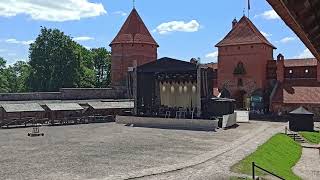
column 278, row 155
column 311, row 137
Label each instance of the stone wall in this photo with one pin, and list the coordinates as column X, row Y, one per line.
column 168, row 123
column 67, row 94
column 92, row 93
column 30, row 96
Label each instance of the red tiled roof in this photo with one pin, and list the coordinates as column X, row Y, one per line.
column 298, row 92
column 244, row 32
column 134, row 31
column 300, row 62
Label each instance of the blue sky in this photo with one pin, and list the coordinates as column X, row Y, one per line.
column 183, row 29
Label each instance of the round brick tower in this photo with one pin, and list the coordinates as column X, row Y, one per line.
column 133, row 46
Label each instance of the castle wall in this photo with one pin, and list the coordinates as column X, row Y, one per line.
column 67, row 94
column 129, row 55
column 254, row 57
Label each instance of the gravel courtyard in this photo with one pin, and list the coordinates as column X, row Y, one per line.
column 103, row 151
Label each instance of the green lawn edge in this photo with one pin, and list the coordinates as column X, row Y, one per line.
column 311, row 137
column 278, row 155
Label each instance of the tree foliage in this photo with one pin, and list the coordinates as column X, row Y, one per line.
column 4, row 87
column 102, row 65
column 56, row 61
column 14, row 78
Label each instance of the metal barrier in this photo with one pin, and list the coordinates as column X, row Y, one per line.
column 256, row 166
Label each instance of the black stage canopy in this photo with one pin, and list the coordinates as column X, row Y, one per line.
column 167, row 65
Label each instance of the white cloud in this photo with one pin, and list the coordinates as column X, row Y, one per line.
column 52, row 10
column 121, row 13
column 178, row 26
column 83, row 38
column 14, row 41
column 212, row 56
column 265, row 34
column 269, row 15
column 305, row 54
column 287, row 39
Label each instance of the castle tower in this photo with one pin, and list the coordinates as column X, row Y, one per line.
column 133, row 46
column 242, row 60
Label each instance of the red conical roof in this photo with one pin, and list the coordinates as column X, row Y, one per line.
column 134, row 31
column 244, row 32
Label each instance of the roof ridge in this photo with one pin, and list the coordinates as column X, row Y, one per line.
column 254, row 32
column 134, row 30
column 300, row 59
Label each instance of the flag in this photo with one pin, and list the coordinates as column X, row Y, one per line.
column 249, row 6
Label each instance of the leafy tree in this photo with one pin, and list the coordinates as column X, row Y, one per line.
column 22, row 72
column 2, row 63
column 11, row 78
column 102, row 65
column 87, row 73
column 55, row 61
column 4, row 85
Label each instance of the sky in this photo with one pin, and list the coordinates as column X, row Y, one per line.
column 183, row 29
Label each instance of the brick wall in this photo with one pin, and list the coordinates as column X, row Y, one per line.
column 254, row 58
column 129, row 55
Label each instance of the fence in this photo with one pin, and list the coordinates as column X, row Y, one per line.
column 264, row 170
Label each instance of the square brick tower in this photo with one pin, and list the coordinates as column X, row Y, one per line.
column 133, row 46
column 242, row 60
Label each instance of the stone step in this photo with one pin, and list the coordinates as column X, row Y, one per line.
column 296, row 137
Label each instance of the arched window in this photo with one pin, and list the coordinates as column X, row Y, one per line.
column 239, row 69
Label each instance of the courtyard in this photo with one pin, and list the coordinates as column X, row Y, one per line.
column 112, row 151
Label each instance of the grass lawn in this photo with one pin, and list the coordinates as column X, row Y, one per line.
column 311, row 137
column 278, row 155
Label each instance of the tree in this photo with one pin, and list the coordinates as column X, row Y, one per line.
column 55, row 61
column 87, row 73
column 14, row 78
column 2, row 63
column 4, row 85
column 11, row 78
column 102, row 66
column 22, row 72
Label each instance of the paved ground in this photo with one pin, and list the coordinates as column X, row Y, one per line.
column 111, row 151
column 308, row 166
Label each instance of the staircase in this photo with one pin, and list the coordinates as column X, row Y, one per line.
column 296, row 137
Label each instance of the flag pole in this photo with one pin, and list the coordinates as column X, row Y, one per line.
column 249, row 7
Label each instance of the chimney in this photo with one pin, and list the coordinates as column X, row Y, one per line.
column 234, row 23
column 280, row 68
